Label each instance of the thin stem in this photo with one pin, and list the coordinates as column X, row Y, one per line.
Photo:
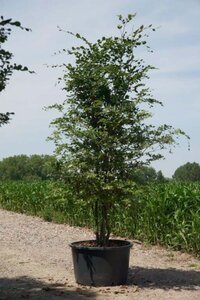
column 96, row 217
column 107, row 224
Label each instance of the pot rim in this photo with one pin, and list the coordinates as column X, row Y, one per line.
column 127, row 244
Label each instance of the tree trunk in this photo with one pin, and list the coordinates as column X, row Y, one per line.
column 102, row 225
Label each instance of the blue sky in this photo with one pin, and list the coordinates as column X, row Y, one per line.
column 176, row 82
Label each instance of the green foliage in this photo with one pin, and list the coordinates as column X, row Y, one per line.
column 160, row 177
column 20, row 167
column 188, row 172
column 6, row 65
column 104, row 130
column 146, row 174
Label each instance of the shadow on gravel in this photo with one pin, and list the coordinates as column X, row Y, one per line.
column 164, row 278
column 21, row 288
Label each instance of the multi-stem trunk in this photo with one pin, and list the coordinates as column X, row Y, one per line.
column 102, row 223
column 101, row 207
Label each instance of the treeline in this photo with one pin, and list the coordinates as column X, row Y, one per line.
column 146, row 174
column 23, row 167
column 188, row 172
column 43, row 167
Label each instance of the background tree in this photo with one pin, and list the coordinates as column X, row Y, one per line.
column 23, row 167
column 6, row 65
column 144, row 174
column 104, row 132
column 147, row 174
column 13, row 168
column 160, row 177
column 188, row 172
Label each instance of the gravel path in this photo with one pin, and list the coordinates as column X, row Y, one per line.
column 36, row 263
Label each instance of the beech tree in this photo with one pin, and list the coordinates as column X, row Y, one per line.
column 104, row 130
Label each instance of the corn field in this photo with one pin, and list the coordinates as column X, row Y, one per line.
column 166, row 214
column 47, row 199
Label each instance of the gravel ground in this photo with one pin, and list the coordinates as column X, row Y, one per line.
column 36, row 263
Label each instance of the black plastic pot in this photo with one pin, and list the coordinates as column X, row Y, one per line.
column 101, row 266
